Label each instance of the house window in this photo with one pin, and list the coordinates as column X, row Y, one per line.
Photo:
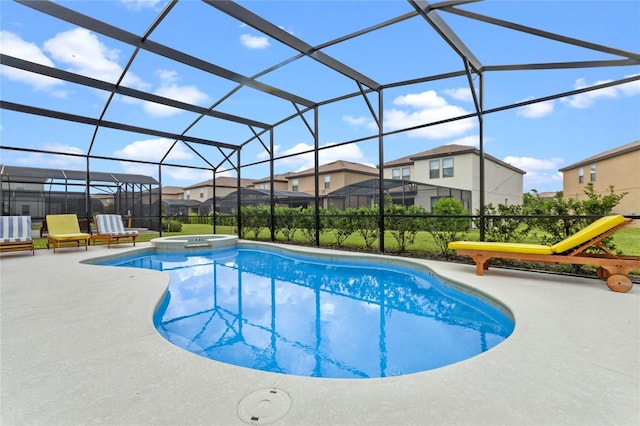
column 327, row 182
column 593, row 173
column 580, row 175
column 294, row 185
column 264, row 186
column 395, row 174
column 406, row 173
column 201, row 192
column 447, row 167
column 26, row 210
column 434, row 169
column 188, row 195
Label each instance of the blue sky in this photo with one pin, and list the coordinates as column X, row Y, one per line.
column 539, row 139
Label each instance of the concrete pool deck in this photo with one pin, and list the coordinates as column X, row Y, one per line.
column 78, row 347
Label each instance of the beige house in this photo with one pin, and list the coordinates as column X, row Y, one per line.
column 458, row 166
column 171, row 193
column 331, row 176
column 280, row 183
column 204, row 190
column 618, row 167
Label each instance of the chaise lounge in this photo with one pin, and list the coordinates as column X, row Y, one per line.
column 612, row 267
column 109, row 227
column 64, row 230
column 15, row 234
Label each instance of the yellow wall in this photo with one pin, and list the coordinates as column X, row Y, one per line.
column 338, row 180
column 623, row 172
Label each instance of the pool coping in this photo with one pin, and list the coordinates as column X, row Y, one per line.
column 79, row 346
column 194, row 242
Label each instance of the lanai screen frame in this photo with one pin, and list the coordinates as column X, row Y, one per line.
column 471, row 68
column 107, row 183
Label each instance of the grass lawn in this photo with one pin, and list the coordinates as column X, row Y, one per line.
column 626, row 240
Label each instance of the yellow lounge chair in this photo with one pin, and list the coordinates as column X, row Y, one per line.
column 109, row 227
column 613, row 268
column 64, row 229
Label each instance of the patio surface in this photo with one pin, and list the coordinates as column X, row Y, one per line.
column 78, row 347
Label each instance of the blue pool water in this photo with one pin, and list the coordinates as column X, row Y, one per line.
column 293, row 314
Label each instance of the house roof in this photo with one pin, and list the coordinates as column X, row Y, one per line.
column 265, row 194
column 171, row 190
column 548, row 194
column 621, row 150
column 181, row 203
column 338, row 166
column 370, row 187
column 445, row 150
column 282, row 177
column 221, row 181
column 40, row 175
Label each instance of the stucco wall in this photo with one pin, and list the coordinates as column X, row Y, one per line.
column 623, row 172
column 338, row 180
column 501, row 183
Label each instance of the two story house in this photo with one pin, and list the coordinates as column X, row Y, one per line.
column 331, row 176
column 280, row 183
column 204, row 190
column 618, row 167
column 458, row 166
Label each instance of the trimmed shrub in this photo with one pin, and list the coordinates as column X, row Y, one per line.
column 446, row 229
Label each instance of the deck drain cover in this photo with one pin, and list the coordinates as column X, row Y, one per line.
column 264, row 406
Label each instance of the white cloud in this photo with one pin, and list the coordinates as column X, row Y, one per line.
column 60, row 147
column 254, row 42
column 350, row 152
column 398, row 119
column 180, row 174
column 169, row 89
column 167, row 76
column 37, row 159
column 460, row 94
column 83, row 53
column 79, row 50
column 588, row 99
column 187, row 175
column 630, row 89
column 427, row 107
column 356, row 121
column 417, row 109
column 542, row 181
column 472, row 140
column 537, row 110
column 154, row 150
column 428, row 99
column 11, row 44
column 139, row 169
column 531, row 163
column 141, row 4
column 542, row 174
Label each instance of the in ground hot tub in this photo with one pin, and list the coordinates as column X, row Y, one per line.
column 214, row 241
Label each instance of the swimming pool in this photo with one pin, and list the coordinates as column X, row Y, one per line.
column 283, row 312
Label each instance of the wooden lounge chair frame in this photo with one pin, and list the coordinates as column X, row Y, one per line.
column 15, row 234
column 64, row 230
column 115, row 234
column 612, row 267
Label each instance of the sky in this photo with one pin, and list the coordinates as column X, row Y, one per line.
column 539, row 138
